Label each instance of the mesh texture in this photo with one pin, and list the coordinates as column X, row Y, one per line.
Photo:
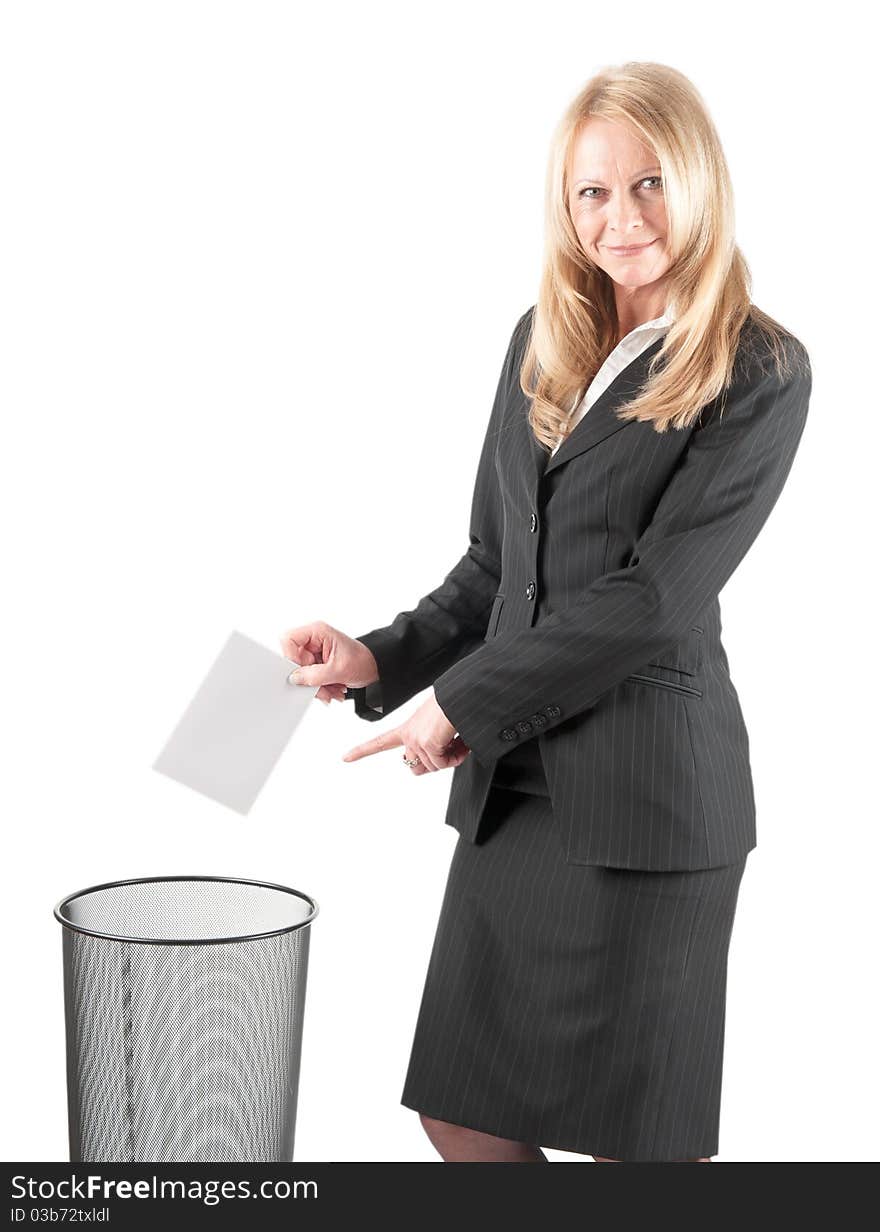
column 186, row 909
column 177, row 1052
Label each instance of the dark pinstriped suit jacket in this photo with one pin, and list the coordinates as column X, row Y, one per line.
column 584, row 615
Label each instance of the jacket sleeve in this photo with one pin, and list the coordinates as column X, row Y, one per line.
column 451, row 621
column 720, row 495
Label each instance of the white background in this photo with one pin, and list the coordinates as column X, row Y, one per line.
column 261, row 262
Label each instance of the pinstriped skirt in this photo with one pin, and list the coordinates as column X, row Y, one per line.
column 574, row 1007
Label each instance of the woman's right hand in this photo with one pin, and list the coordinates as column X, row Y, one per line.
column 330, row 659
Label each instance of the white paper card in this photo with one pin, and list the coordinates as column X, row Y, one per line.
column 238, row 724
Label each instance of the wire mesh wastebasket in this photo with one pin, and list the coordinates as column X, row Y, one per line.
column 184, row 1000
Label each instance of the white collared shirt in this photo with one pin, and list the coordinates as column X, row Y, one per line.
column 636, row 341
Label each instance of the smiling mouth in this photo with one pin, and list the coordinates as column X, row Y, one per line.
column 623, row 251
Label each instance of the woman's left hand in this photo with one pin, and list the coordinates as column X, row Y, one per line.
column 427, row 734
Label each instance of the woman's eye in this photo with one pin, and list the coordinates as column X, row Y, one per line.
column 583, row 191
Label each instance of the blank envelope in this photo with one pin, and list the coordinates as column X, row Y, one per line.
column 237, row 726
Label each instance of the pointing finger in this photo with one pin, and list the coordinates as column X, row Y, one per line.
column 388, row 740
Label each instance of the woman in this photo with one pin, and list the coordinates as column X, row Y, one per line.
column 645, row 421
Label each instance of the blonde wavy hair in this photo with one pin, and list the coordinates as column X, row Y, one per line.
column 574, row 324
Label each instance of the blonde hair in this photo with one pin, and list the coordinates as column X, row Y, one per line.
column 574, row 322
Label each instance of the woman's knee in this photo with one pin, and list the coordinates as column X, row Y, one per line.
column 458, row 1143
column 441, row 1131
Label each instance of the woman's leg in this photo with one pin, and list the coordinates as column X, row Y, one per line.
column 458, row 1145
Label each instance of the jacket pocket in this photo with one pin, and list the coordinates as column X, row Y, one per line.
column 637, row 797
column 672, row 685
column 494, row 617
column 686, row 656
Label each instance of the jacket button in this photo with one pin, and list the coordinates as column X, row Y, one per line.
column 533, row 523
column 524, row 726
column 552, row 712
column 507, row 733
column 530, row 590
column 538, row 719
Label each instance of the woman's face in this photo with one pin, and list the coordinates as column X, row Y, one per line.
column 616, row 201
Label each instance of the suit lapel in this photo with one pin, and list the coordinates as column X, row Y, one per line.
column 600, row 420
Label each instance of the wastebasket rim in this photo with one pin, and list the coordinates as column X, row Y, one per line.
column 112, row 885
